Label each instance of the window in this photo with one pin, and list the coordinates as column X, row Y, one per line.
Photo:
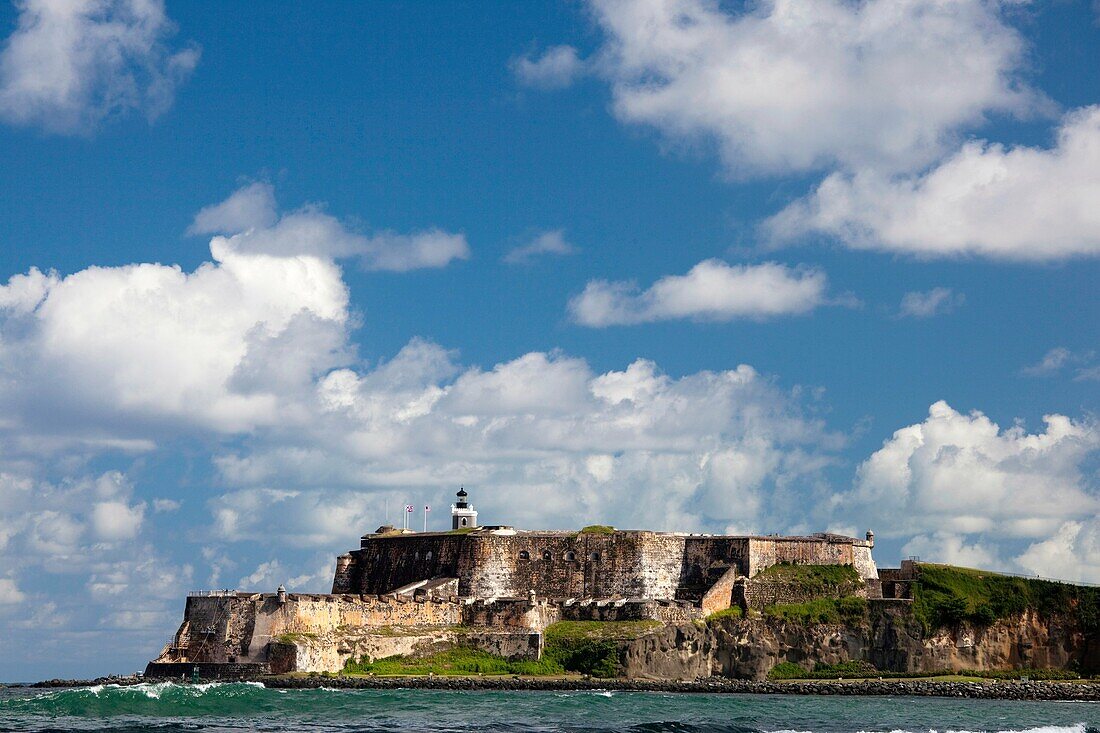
column 570, row 556
column 418, row 554
column 428, row 556
column 464, row 521
column 524, row 555
column 546, row 555
column 594, row 556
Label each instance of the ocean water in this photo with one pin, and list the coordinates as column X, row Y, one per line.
column 168, row 707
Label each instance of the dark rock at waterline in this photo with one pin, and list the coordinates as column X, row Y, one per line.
column 1087, row 691
column 111, row 680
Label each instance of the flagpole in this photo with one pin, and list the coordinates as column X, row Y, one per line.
column 425, row 518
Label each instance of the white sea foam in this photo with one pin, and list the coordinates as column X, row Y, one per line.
column 1077, row 728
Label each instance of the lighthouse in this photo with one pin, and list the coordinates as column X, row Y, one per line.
column 463, row 514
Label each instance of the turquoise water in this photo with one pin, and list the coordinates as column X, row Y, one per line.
column 168, row 707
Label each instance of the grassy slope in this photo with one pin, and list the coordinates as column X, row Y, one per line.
column 824, row 580
column 945, row 595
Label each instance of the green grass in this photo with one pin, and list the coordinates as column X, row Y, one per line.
column 945, row 595
column 823, row 580
column 731, row 612
column 457, row 661
column 462, row 530
column 598, row 529
column 294, row 637
column 591, row 647
column 850, row 610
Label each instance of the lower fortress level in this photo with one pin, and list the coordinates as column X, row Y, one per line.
column 497, row 588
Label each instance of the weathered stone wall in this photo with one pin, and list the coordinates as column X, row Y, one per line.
column 720, row 596
column 343, row 580
column 630, row 564
column 764, row 552
column 760, row 592
column 510, row 614
column 385, row 563
column 238, row 628
column 572, row 565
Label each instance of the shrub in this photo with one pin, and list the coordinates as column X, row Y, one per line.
column 457, row 661
column 731, row 612
column 591, row 647
column 786, row 671
column 853, row 668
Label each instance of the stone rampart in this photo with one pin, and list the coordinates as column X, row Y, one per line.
column 621, row 564
column 764, row 552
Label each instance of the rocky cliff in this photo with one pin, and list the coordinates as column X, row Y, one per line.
column 891, row 639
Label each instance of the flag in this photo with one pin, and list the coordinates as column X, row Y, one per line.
column 427, row 508
column 408, row 507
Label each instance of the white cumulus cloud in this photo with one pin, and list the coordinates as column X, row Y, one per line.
column 153, row 342
column 117, row 520
column 712, row 290
column 546, row 441
column 70, row 64
column 246, row 208
column 1072, row 552
column 250, row 223
column 963, row 475
column 986, row 200
column 556, row 68
column 789, row 85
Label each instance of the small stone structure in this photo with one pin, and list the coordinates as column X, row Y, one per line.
column 493, row 588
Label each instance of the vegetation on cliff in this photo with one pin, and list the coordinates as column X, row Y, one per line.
column 591, row 647
column 822, row 580
column 456, row 661
column 849, row 610
column 944, row 595
column 731, row 612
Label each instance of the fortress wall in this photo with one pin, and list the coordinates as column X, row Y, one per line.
column 343, row 580
column 511, row 614
column 761, row 592
column 239, row 628
column 624, row 564
column 720, row 595
column 661, row 565
column 602, row 566
column 706, row 559
column 384, row 564
column 767, row 551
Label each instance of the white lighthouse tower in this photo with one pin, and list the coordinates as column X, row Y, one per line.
column 463, row 514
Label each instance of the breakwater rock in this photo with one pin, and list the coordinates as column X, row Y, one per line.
column 1081, row 691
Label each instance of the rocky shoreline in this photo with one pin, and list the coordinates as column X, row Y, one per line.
column 1077, row 691
column 1000, row 690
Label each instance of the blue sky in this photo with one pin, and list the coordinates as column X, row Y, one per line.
column 674, row 265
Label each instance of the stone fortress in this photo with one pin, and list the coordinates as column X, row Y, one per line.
column 494, row 588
